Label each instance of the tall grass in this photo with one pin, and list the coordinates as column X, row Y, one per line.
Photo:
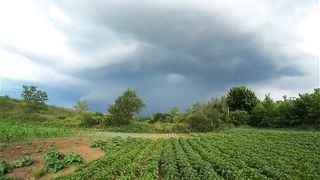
column 17, row 131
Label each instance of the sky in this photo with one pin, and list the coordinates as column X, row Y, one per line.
column 173, row 53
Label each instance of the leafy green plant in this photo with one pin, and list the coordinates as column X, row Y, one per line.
column 4, row 168
column 26, row 161
column 72, row 158
column 99, row 144
column 54, row 161
column 117, row 141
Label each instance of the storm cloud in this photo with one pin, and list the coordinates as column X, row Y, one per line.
column 172, row 53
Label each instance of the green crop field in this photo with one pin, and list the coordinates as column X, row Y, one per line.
column 241, row 153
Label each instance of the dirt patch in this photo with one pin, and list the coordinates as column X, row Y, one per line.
column 138, row 135
column 15, row 151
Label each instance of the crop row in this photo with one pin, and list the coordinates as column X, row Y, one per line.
column 234, row 155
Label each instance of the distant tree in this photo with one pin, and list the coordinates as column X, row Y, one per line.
column 81, row 106
column 174, row 112
column 35, row 99
column 264, row 114
column 160, row 117
column 307, row 107
column 241, row 98
column 125, row 107
column 174, row 115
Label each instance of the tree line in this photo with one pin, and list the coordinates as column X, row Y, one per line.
column 239, row 106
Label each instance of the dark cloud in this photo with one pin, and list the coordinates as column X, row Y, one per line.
column 208, row 51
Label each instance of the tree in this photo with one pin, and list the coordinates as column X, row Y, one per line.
column 125, row 106
column 239, row 117
column 174, row 114
column 264, row 114
column 241, row 98
column 307, row 107
column 35, row 99
column 81, row 106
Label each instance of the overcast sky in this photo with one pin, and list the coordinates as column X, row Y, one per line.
column 172, row 52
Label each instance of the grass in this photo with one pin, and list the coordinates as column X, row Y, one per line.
column 17, row 131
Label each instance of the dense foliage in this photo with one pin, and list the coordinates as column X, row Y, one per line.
column 239, row 107
column 232, row 154
column 124, row 107
column 241, row 98
column 35, row 99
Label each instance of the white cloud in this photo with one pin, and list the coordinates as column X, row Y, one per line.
column 16, row 67
column 58, row 15
column 173, row 77
column 309, row 29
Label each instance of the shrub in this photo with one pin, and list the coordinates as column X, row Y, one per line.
column 160, row 117
column 88, row 121
column 201, row 122
column 39, row 172
column 239, row 117
column 62, row 117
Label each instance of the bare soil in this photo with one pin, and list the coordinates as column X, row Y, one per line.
column 15, row 151
column 138, row 135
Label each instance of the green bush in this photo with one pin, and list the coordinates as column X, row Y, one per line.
column 239, row 117
column 88, row 121
column 200, row 122
column 161, row 117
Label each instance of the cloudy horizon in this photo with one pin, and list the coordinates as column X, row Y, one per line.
column 172, row 52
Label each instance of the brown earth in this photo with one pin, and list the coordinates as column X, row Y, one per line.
column 138, row 135
column 12, row 152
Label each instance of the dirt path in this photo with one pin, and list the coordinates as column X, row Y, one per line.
column 138, row 135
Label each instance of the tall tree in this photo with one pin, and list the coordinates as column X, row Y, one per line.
column 35, row 99
column 125, row 106
column 241, row 98
column 81, row 106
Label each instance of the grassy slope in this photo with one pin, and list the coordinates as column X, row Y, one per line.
column 16, row 131
column 54, row 116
